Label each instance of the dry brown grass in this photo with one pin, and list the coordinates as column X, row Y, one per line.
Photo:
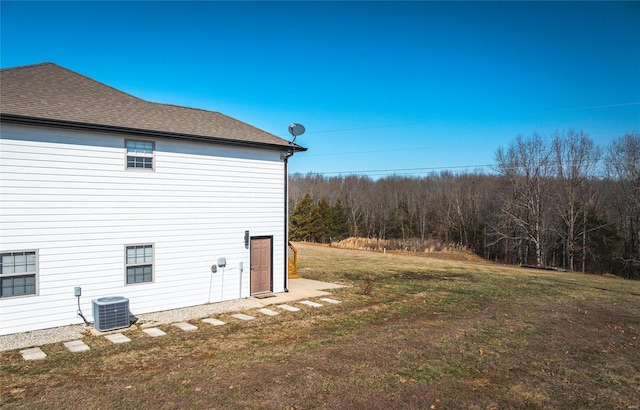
column 432, row 247
column 432, row 333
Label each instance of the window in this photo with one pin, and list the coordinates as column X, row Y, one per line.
column 139, row 263
column 139, row 154
column 18, row 272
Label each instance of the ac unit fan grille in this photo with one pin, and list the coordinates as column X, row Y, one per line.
column 111, row 313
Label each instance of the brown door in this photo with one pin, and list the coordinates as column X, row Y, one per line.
column 260, row 265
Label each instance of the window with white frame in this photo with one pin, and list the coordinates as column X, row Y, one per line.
column 18, row 271
column 139, row 263
column 139, row 154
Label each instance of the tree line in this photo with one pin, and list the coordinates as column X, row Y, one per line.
column 549, row 202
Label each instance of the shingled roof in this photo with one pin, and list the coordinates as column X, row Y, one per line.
column 47, row 94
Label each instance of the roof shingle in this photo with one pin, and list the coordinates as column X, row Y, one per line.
column 50, row 92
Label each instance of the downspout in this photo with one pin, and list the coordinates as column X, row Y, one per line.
column 286, row 222
column 295, row 130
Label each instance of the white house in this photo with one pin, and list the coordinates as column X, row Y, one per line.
column 118, row 196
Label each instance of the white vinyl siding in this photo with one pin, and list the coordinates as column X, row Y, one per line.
column 67, row 194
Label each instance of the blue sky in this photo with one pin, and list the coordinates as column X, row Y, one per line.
column 401, row 87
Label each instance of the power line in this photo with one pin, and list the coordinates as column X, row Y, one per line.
column 419, row 123
column 421, row 170
column 405, row 170
column 362, row 128
column 381, row 150
column 597, row 106
column 336, row 153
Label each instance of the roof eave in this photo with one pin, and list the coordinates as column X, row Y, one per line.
column 48, row 122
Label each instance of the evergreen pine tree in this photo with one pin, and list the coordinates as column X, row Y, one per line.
column 301, row 220
column 338, row 222
column 322, row 221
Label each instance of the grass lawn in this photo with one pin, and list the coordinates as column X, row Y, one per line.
column 412, row 331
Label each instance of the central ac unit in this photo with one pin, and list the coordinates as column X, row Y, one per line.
column 111, row 313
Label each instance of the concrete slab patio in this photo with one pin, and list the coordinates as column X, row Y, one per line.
column 300, row 289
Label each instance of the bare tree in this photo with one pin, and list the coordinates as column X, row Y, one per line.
column 354, row 193
column 425, row 206
column 526, row 165
column 576, row 159
column 622, row 163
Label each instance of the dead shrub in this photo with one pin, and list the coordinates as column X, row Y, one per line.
column 367, row 286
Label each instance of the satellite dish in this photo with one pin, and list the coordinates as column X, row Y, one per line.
column 295, row 130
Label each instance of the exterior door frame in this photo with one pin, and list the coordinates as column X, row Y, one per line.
column 251, row 249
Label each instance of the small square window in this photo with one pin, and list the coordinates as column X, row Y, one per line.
column 139, row 264
column 18, row 271
column 139, row 154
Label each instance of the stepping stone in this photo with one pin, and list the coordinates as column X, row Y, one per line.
column 118, row 338
column 76, row 346
column 268, row 312
column 329, row 300
column 310, row 303
column 243, row 316
column 34, row 353
column 187, row 327
column 214, row 322
column 154, row 332
column 289, row 308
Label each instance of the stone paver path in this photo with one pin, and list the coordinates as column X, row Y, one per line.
column 310, row 303
column 187, row 327
column 35, row 353
column 268, row 312
column 118, row 338
column 289, row 308
column 79, row 346
column 329, row 300
column 242, row 316
column 76, row 346
column 154, row 332
column 214, row 322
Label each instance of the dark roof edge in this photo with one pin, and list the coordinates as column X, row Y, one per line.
column 20, row 119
